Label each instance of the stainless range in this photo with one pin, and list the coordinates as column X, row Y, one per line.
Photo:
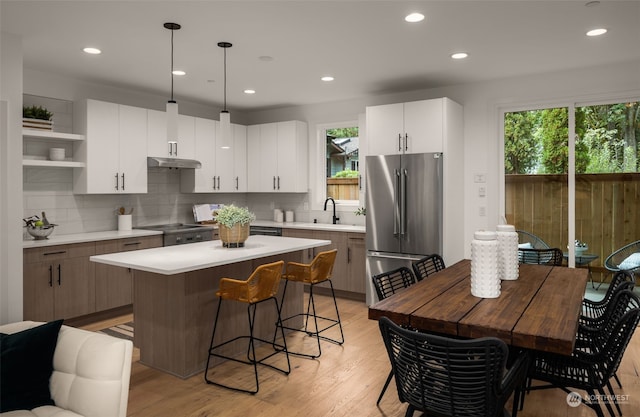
column 179, row 233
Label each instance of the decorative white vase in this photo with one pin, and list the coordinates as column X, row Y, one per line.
column 485, row 282
column 508, row 265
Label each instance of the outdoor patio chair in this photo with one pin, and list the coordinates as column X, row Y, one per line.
column 627, row 258
column 549, row 256
column 528, row 240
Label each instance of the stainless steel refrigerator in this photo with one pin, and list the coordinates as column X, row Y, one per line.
column 404, row 211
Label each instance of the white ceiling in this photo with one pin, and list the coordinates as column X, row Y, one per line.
column 365, row 45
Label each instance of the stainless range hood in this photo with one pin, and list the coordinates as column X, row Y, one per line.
column 156, row 161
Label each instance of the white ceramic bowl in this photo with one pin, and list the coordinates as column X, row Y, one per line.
column 56, row 154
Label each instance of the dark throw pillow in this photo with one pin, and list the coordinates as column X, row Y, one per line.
column 26, row 366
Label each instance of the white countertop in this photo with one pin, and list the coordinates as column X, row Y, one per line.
column 86, row 237
column 170, row 260
column 311, row 226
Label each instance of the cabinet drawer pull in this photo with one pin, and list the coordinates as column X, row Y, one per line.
column 132, row 243
column 60, row 252
column 399, row 142
column 51, row 275
column 406, row 141
column 59, row 275
column 348, row 255
column 278, row 182
column 117, row 182
column 123, row 181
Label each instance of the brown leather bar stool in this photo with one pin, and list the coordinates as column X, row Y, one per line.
column 317, row 272
column 261, row 286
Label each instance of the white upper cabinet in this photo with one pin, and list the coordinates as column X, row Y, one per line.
column 413, row 127
column 231, row 164
column 201, row 180
column 277, row 157
column 157, row 143
column 223, row 170
column 115, row 149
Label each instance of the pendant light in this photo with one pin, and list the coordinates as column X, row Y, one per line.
column 172, row 105
column 225, row 116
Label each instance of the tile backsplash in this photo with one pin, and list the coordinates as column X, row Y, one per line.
column 51, row 190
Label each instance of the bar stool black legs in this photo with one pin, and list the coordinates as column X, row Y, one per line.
column 317, row 272
column 260, row 287
column 315, row 329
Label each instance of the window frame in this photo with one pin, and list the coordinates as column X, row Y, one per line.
column 571, row 104
column 320, row 189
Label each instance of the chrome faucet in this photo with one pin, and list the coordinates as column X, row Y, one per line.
column 335, row 219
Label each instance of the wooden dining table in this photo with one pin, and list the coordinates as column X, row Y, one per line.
column 539, row 310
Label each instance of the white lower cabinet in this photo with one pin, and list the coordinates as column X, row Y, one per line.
column 277, row 159
column 114, row 151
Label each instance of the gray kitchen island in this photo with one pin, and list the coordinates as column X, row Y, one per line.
column 174, row 296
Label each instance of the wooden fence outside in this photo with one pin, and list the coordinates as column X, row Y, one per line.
column 607, row 210
column 343, row 188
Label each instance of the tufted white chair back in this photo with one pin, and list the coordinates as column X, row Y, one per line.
column 91, row 371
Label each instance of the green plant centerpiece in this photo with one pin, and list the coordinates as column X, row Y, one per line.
column 233, row 223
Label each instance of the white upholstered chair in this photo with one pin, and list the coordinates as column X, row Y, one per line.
column 91, row 373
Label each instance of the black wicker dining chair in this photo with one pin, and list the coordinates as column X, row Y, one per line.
column 550, row 256
column 451, row 377
column 387, row 284
column 427, row 265
column 596, row 358
column 592, row 310
column 592, row 329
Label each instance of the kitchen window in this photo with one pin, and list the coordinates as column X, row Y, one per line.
column 342, row 163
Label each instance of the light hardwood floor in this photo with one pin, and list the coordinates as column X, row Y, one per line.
column 345, row 381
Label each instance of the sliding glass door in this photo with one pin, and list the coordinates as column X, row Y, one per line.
column 583, row 193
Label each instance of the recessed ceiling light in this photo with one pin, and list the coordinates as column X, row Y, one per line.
column 414, row 17
column 327, row 78
column 597, row 32
column 178, row 72
column 459, row 55
column 92, row 51
column 249, row 91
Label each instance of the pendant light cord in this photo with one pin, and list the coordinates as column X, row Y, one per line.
column 225, row 79
column 172, row 65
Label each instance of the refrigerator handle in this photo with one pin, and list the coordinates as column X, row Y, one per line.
column 396, row 204
column 403, row 204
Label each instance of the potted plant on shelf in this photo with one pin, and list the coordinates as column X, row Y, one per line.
column 36, row 117
column 233, row 223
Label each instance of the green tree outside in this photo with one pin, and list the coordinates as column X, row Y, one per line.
column 606, row 140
